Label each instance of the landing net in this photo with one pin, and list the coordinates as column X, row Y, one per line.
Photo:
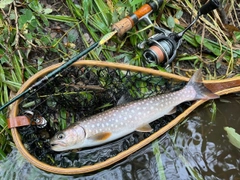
column 80, row 92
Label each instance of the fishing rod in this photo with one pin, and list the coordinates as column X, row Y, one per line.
column 118, row 28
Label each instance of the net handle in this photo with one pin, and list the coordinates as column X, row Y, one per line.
column 220, row 87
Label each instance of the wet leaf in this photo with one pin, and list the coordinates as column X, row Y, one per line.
column 87, row 5
column 26, row 17
column 4, row 3
column 73, row 36
column 61, row 18
column 63, row 115
column 213, row 111
column 214, row 49
column 157, row 153
column 234, row 138
column 171, row 22
column 36, row 6
column 231, row 29
column 47, row 11
column 179, row 14
column 188, row 58
column 237, row 34
column 45, row 20
column 2, row 121
column 2, row 154
column 134, row 2
column 30, row 104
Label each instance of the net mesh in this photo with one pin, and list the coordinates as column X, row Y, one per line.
column 80, row 92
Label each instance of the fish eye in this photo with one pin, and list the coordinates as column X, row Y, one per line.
column 60, row 136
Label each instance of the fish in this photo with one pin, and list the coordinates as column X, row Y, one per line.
column 126, row 118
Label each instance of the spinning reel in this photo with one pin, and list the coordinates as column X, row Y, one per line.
column 163, row 45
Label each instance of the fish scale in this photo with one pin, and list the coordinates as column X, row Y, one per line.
column 124, row 119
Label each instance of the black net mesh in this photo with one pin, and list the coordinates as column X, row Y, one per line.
column 80, row 92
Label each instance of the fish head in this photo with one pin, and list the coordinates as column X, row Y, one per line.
column 70, row 138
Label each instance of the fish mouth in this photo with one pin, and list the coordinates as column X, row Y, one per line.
column 58, row 147
column 53, row 144
column 55, row 147
column 57, row 144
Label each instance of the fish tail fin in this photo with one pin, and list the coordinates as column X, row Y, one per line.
column 201, row 91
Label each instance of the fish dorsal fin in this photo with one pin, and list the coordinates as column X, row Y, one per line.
column 174, row 110
column 101, row 136
column 144, row 128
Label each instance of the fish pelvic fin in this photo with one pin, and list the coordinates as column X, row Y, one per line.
column 174, row 110
column 144, row 128
column 201, row 91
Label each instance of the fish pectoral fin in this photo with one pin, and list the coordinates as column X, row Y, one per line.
column 174, row 110
column 144, row 128
column 126, row 98
column 101, row 136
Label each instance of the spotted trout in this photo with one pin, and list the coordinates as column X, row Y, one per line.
column 127, row 118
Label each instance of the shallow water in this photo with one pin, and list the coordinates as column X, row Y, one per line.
column 196, row 148
column 204, row 142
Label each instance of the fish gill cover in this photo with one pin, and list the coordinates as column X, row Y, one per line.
column 77, row 93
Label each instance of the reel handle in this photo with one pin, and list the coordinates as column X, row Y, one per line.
column 208, row 7
column 128, row 22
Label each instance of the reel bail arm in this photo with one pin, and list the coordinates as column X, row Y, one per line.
column 164, row 44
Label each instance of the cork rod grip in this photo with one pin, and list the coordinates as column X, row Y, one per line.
column 128, row 22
